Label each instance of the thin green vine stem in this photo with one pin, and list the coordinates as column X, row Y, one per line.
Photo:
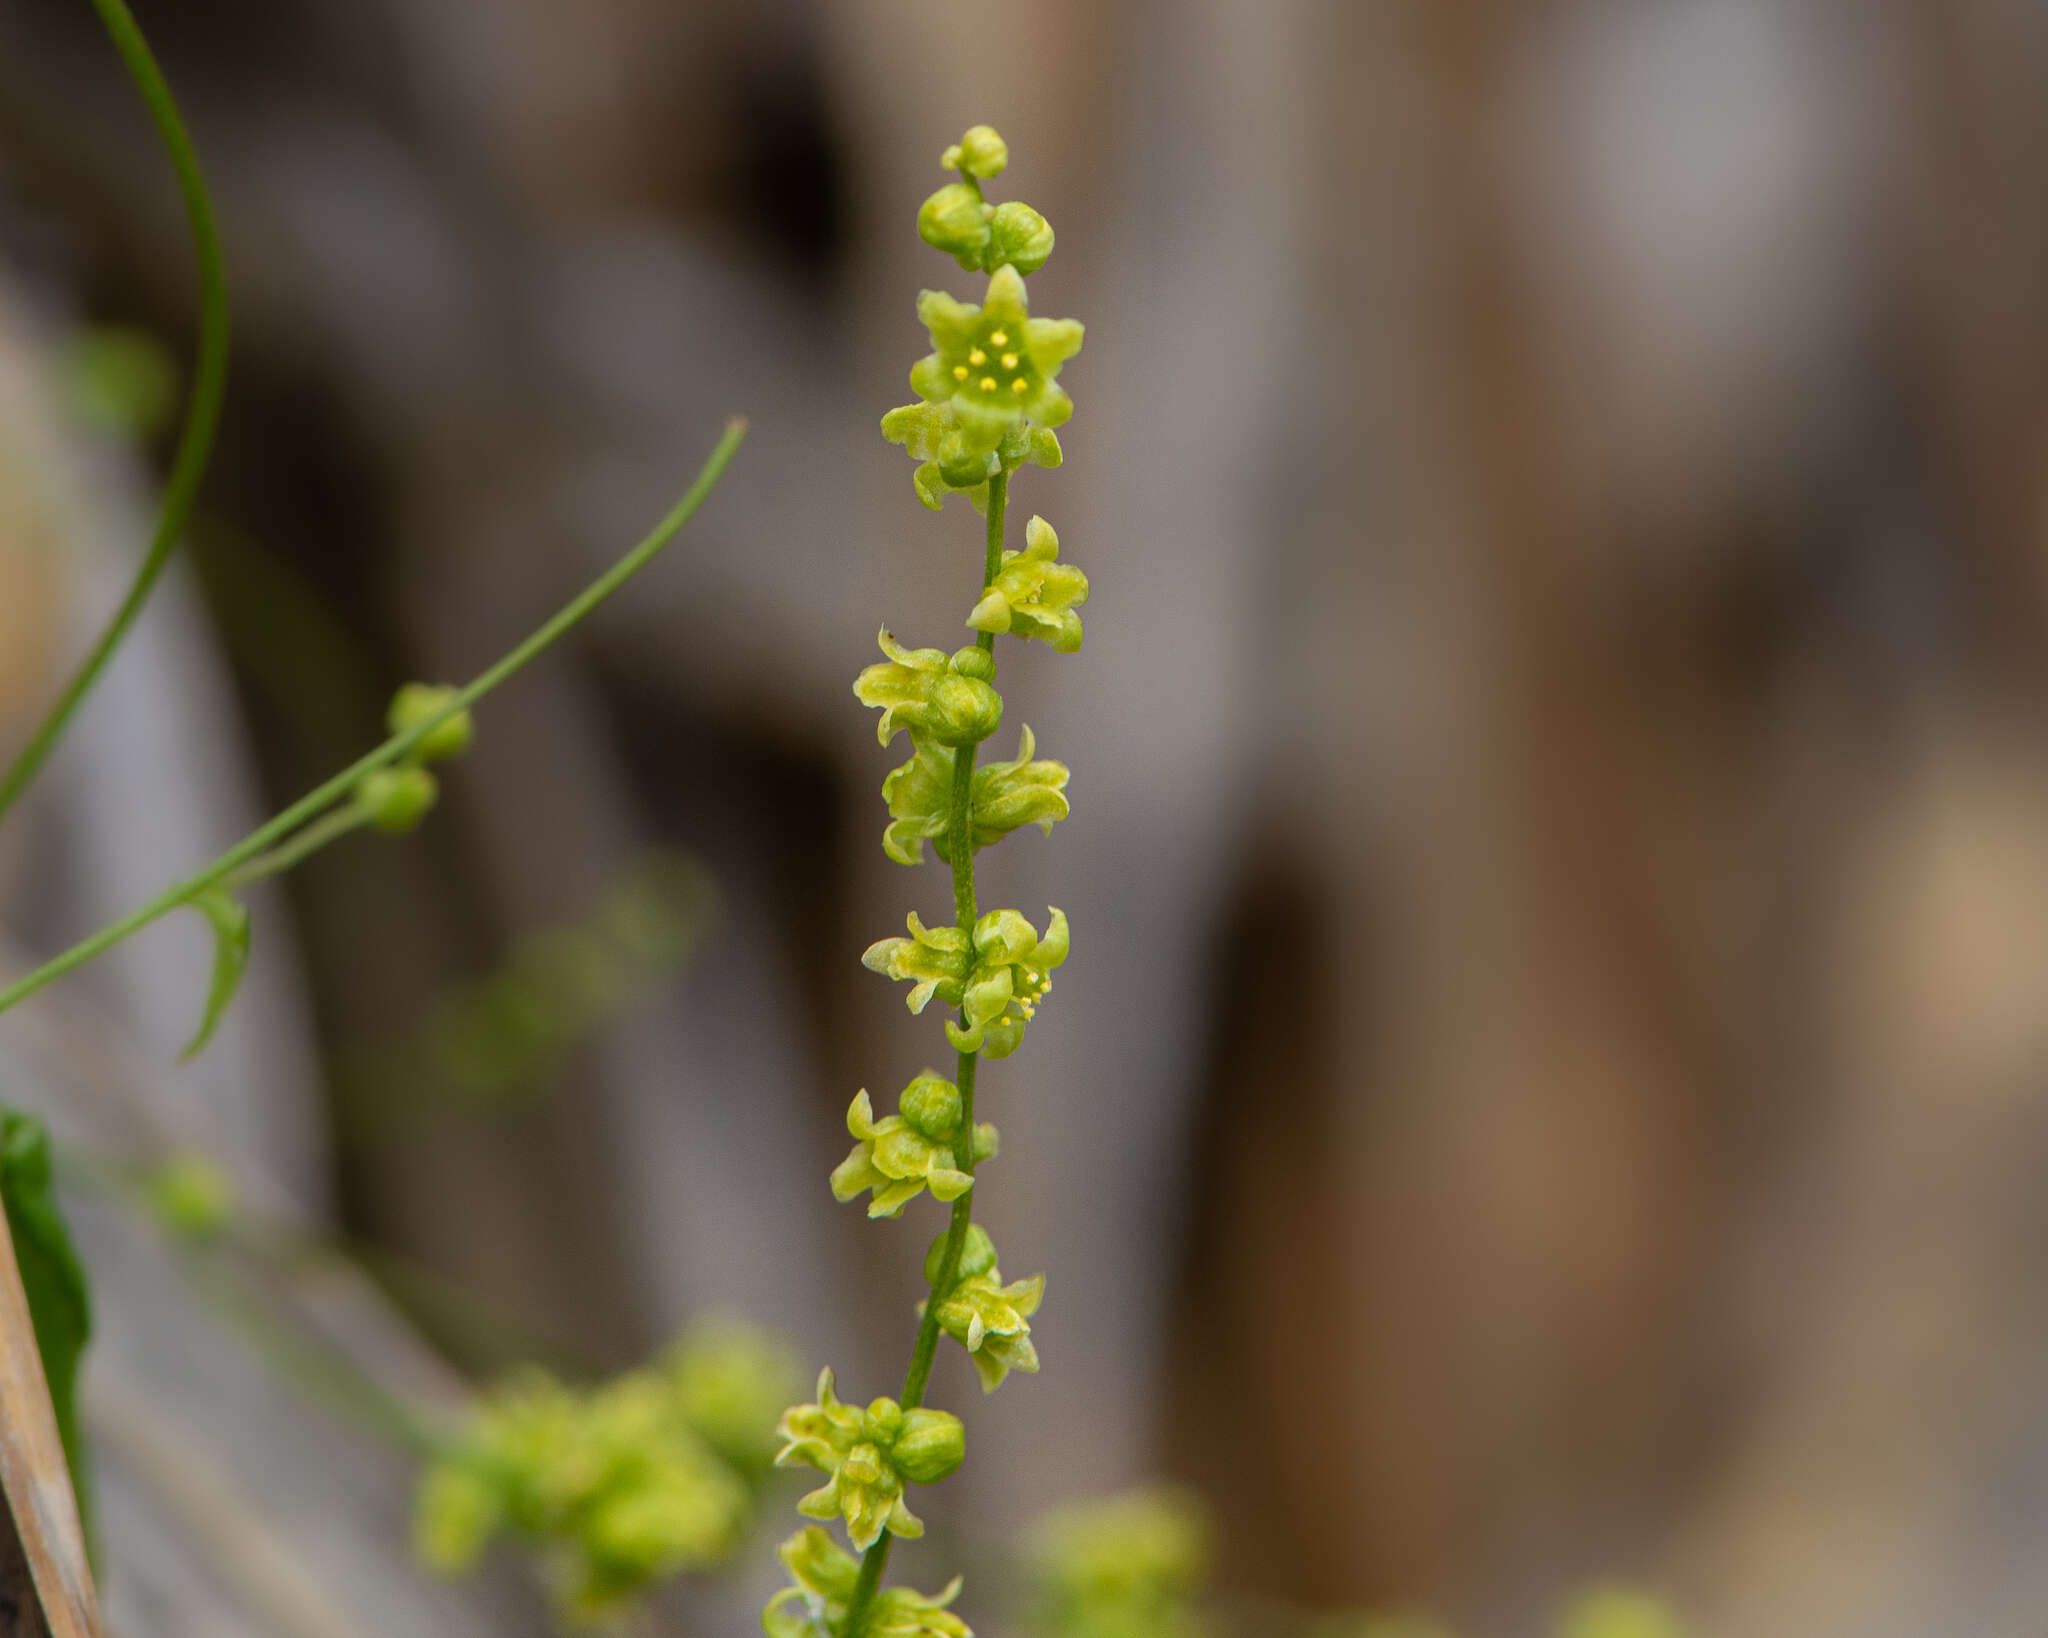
column 329, row 828
column 317, row 801
column 202, row 413
column 960, row 848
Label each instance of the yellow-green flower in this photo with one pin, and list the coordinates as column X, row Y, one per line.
column 933, row 961
column 924, row 691
column 931, row 435
column 997, row 978
column 991, row 1320
column 869, row 1456
column 902, row 1155
column 1004, row 796
column 1011, row 975
column 1034, row 594
column 994, row 366
column 825, row 1577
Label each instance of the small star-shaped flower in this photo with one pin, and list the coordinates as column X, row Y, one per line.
column 994, row 365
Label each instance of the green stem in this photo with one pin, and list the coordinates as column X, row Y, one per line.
column 342, row 785
column 311, row 840
column 960, row 849
column 202, row 414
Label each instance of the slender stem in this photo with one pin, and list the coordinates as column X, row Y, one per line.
column 316, row 802
column 960, row 849
column 202, row 413
column 312, row 839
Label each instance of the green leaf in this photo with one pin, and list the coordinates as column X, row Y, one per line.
column 230, row 923
column 59, row 1300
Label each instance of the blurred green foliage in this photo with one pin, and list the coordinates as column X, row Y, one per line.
column 121, row 380
column 652, row 1474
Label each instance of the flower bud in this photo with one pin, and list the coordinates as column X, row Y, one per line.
column 414, row 704
column 965, row 710
column 977, row 1255
column 931, row 1104
column 1017, row 234
column 980, row 153
column 974, row 662
column 956, row 221
column 930, row 1445
column 395, row 800
column 193, row 1196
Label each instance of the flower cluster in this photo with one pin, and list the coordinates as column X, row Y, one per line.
column 991, row 1320
column 868, row 1456
column 989, row 398
column 651, row 1474
column 1003, row 796
column 902, row 1155
column 989, row 395
column 996, row 975
column 826, row 1574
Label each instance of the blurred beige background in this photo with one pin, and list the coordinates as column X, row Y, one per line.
column 1553, row 1080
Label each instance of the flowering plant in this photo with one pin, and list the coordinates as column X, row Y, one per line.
column 989, row 398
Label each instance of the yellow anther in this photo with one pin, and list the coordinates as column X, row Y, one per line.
column 999, row 338
column 1009, row 361
column 959, row 372
column 977, row 357
column 988, row 383
column 1017, row 385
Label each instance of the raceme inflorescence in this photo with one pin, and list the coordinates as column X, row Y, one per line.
column 989, row 399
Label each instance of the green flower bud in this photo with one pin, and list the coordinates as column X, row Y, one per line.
column 869, row 1455
column 977, row 1255
column 1034, row 594
column 930, row 1446
column 1017, row 234
column 994, row 366
column 931, row 1104
column 980, row 153
column 826, row 1575
column 414, row 704
column 193, row 1197
column 917, row 689
column 900, row 1157
column 1007, row 979
column 957, row 221
column 395, row 800
column 974, row 662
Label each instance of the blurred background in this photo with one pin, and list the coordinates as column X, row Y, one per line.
column 1553, row 1077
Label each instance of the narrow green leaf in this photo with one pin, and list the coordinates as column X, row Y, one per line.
column 230, row 923
column 59, row 1300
